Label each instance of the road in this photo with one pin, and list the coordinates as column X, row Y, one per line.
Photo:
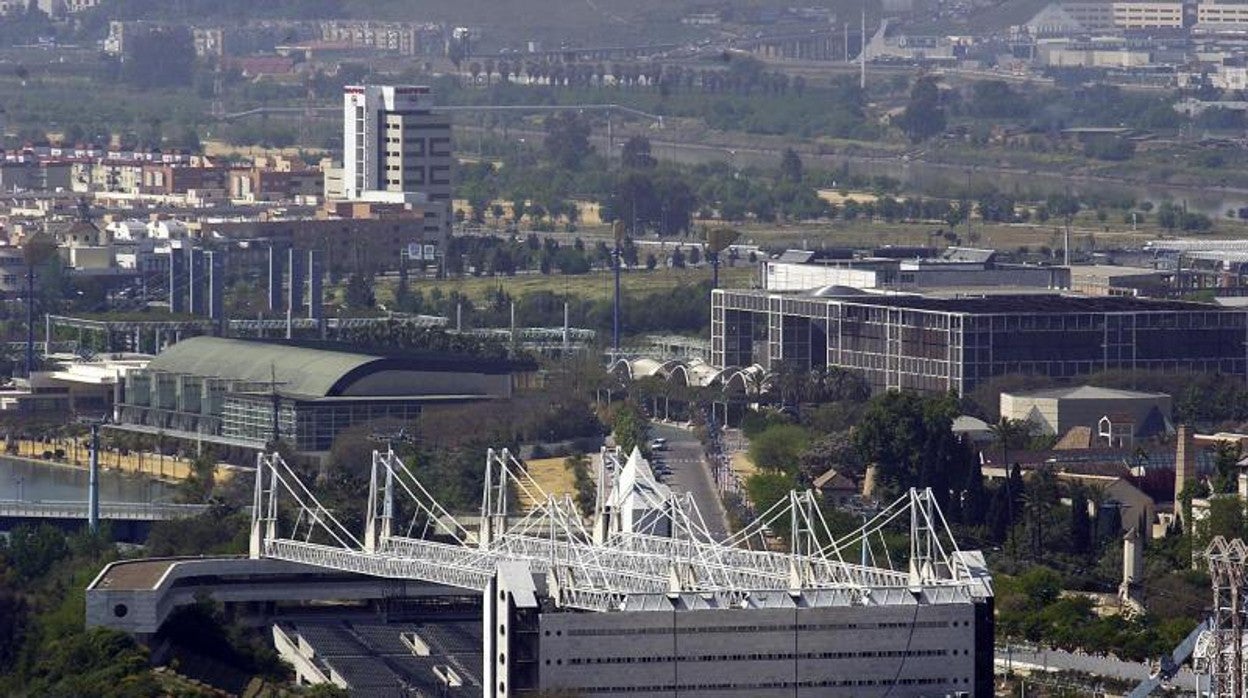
column 691, row 474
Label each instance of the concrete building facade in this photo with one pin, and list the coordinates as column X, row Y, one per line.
column 939, row 344
column 1058, row 411
column 692, row 649
column 393, row 143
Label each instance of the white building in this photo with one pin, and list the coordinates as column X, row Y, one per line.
column 129, row 230
column 1221, row 15
column 393, row 143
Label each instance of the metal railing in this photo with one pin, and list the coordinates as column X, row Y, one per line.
column 117, row 511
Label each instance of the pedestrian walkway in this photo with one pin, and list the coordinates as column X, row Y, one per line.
column 77, row 452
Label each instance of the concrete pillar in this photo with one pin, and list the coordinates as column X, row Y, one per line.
column 275, row 279
column 197, row 283
column 1132, row 563
column 177, row 280
column 216, row 291
column 93, row 484
column 1184, row 461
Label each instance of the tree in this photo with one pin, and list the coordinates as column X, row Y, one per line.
column 791, row 166
column 767, row 488
column 98, row 662
column 651, row 261
column 73, row 135
column 975, row 498
column 32, row 550
column 162, row 56
column 636, row 154
column 1080, row 523
column 359, row 293
column 567, row 139
column 1225, row 518
column 519, row 205
column 629, row 427
column 924, row 116
column 1008, row 434
column 1041, row 500
column 779, row 448
column 910, row 437
column 1065, row 206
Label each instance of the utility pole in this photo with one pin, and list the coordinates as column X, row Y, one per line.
column 619, row 261
column 862, row 55
column 93, row 481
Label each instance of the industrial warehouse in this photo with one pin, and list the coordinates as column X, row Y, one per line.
column 943, row 342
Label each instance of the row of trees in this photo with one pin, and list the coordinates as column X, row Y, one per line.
column 682, row 310
column 739, row 74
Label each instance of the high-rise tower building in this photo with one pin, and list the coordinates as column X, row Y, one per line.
column 394, row 145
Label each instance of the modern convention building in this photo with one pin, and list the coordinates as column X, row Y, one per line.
column 954, row 342
column 231, row 391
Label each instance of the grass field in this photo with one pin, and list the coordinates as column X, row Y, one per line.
column 593, row 286
column 552, row 475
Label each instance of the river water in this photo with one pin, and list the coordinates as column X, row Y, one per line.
column 31, row 481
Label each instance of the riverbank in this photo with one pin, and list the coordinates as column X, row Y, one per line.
column 76, row 453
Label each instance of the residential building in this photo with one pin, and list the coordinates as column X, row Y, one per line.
column 1218, row 15
column 395, row 147
column 60, row 8
column 12, row 270
column 348, row 244
column 397, row 37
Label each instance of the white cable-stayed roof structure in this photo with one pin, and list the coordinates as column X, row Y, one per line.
column 646, row 550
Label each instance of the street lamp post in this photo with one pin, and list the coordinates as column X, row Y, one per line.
column 619, row 261
column 93, row 481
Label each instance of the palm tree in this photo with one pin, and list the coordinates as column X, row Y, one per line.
column 1006, row 434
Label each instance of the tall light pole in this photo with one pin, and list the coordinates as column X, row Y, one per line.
column 93, row 482
column 618, row 229
column 37, row 250
column 718, row 240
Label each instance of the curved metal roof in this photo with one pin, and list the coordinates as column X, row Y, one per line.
column 298, row 370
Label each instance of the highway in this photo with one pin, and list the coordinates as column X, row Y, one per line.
column 690, row 474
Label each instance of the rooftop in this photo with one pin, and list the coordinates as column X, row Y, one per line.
column 1014, row 303
column 1109, row 271
column 303, row 369
column 1088, row 392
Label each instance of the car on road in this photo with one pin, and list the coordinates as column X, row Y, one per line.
column 659, row 444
